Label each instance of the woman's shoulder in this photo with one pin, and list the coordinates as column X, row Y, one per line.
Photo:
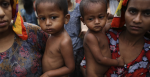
column 30, row 26
column 114, row 30
column 36, row 36
column 34, row 29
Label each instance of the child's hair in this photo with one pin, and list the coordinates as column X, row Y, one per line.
column 85, row 3
column 28, row 6
column 62, row 4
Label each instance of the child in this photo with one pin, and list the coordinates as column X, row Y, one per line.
column 58, row 58
column 73, row 28
column 97, row 52
column 28, row 12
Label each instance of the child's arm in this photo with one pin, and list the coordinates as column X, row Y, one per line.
column 67, row 54
column 93, row 45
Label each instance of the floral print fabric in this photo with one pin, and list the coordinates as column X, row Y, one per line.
column 137, row 68
column 23, row 59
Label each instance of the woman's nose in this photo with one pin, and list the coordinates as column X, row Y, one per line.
column 137, row 19
column 2, row 14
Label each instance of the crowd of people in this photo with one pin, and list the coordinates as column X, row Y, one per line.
column 45, row 38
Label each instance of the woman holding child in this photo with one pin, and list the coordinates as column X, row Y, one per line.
column 21, row 44
column 130, row 42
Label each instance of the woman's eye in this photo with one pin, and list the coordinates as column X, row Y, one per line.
column 5, row 4
column 132, row 11
column 147, row 14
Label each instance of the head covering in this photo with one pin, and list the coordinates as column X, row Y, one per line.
column 119, row 17
column 18, row 25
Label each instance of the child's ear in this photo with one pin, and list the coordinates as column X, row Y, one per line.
column 67, row 18
column 81, row 18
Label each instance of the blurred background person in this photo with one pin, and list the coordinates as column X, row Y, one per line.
column 28, row 12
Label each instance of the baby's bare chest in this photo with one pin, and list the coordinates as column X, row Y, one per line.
column 103, row 43
column 53, row 48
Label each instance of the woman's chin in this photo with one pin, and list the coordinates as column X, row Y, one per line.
column 3, row 29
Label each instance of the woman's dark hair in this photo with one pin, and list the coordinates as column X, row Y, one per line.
column 28, row 6
column 125, row 7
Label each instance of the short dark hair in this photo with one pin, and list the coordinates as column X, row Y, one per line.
column 62, row 4
column 84, row 3
column 28, row 6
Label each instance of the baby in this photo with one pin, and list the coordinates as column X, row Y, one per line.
column 58, row 59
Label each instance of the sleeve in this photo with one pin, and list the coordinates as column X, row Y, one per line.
column 36, row 37
column 42, row 38
column 22, row 12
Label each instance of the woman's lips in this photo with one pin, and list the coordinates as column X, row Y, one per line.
column 135, row 27
column 3, row 23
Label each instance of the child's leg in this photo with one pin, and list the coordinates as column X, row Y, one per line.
column 83, row 71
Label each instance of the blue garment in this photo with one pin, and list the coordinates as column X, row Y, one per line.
column 30, row 18
column 74, row 27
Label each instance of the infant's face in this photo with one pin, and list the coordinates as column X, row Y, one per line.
column 96, row 18
column 50, row 17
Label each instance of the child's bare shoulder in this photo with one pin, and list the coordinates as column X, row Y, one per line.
column 66, row 40
column 89, row 37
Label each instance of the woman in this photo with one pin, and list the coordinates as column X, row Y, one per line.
column 21, row 44
column 130, row 42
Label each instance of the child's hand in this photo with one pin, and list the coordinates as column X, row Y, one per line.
column 44, row 75
column 120, row 61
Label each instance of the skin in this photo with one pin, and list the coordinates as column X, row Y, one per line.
column 6, row 32
column 131, row 40
column 97, row 53
column 58, row 60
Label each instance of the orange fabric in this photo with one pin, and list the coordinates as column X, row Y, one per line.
column 18, row 26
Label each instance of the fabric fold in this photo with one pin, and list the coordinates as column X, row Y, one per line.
column 18, row 25
column 119, row 17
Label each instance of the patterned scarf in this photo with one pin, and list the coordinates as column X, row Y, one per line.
column 18, row 26
column 119, row 17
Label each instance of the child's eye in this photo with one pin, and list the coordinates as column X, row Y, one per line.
column 42, row 18
column 5, row 4
column 54, row 17
column 100, row 17
column 90, row 19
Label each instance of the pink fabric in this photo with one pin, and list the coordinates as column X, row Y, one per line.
column 78, row 1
